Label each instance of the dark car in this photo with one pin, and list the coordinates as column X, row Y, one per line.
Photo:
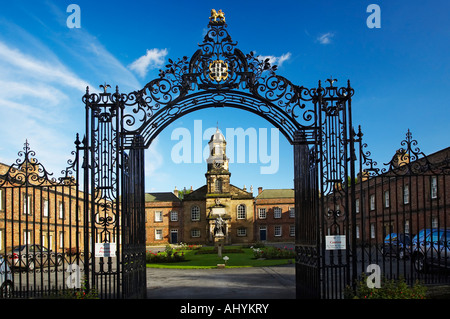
column 31, row 256
column 433, row 250
column 398, row 245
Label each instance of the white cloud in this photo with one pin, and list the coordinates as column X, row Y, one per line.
column 38, row 93
column 154, row 171
column 39, row 69
column 325, row 38
column 42, row 81
column 276, row 60
column 154, row 58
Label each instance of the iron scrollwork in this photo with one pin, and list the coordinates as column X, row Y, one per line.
column 28, row 171
column 219, row 74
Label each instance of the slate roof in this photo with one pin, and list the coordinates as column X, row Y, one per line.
column 276, row 193
column 235, row 193
column 161, row 197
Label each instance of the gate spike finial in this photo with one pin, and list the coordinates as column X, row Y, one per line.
column 105, row 87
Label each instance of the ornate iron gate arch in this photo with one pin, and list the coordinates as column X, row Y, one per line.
column 316, row 121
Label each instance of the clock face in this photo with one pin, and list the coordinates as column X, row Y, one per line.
column 217, row 164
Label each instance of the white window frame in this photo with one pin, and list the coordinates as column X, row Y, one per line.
column 386, row 199
column 277, row 231
column 61, row 209
column 291, row 230
column 262, row 213
column 277, row 212
column 372, row 202
column 27, row 236
column 173, row 216
column 433, row 187
column 195, row 233
column 158, row 234
column 434, row 222
column 61, row 239
column 45, row 210
column 291, row 212
column 357, row 206
column 241, row 211
column 27, row 204
column 158, row 216
column 2, row 204
column 242, row 232
column 195, row 213
column 406, row 194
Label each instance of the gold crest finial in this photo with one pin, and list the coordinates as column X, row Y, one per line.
column 217, row 17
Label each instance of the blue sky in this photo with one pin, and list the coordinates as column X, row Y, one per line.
column 400, row 72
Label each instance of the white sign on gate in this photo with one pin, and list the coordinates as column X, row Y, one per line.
column 105, row 250
column 335, row 242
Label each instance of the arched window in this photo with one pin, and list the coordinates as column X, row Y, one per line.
column 241, row 211
column 195, row 213
column 218, row 186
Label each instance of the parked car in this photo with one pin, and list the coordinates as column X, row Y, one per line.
column 398, row 245
column 421, row 235
column 31, row 256
column 6, row 279
column 432, row 250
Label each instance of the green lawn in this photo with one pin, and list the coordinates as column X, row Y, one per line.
column 244, row 259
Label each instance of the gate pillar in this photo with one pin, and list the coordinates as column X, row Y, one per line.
column 306, row 221
column 134, row 282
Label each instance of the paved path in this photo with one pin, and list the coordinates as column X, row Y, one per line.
column 236, row 283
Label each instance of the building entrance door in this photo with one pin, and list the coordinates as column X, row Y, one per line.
column 174, row 236
column 263, row 233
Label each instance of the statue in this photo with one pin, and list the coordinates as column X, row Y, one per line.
column 219, row 229
column 217, row 15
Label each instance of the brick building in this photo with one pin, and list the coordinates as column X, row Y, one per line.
column 275, row 215
column 189, row 216
column 410, row 195
column 37, row 209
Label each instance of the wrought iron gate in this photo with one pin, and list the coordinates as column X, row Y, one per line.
column 316, row 121
column 116, row 176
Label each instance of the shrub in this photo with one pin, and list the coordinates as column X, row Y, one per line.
column 184, row 246
column 390, row 289
column 164, row 257
column 273, row 253
column 224, row 251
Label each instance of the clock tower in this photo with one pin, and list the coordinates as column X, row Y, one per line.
column 218, row 174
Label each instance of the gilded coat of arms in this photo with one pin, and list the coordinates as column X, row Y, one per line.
column 218, row 70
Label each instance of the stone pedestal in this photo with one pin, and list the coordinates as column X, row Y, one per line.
column 219, row 242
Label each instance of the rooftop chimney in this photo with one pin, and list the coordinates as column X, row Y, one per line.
column 260, row 190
